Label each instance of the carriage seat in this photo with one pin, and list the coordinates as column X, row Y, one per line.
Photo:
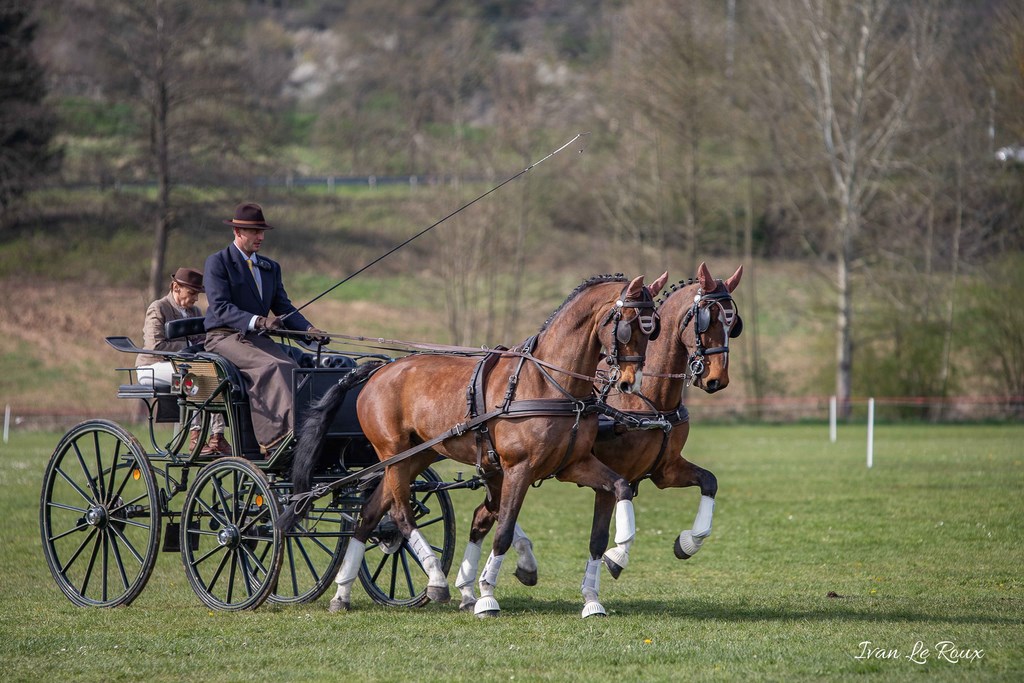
column 187, row 327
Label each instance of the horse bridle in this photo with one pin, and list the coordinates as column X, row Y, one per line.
column 700, row 315
column 622, row 329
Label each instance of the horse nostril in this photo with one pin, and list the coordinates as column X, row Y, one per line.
column 625, row 387
column 712, row 386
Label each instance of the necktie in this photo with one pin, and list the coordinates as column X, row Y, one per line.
column 252, row 271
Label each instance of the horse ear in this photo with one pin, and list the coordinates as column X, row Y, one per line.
column 657, row 285
column 707, row 283
column 734, row 281
column 633, row 291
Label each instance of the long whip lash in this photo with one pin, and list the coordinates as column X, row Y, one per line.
column 428, row 229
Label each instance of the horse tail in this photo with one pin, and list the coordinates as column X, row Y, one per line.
column 312, row 435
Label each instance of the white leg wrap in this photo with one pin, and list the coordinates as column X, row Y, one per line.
column 625, row 525
column 426, row 556
column 353, row 561
column 617, row 558
column 591, row 581
column 487, row 605
column 590, row 588
column 690, row 541
column 702, row 523
column 467, row 570
column 526, row 561
column 347, row 574
column 489, row 576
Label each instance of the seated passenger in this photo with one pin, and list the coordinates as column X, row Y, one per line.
column 180, row 302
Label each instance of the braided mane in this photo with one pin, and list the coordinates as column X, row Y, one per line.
column 595, row 280
column 677, row 287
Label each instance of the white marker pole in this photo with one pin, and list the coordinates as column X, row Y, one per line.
column 7, row 421
column 832, row 419
column 871, row 432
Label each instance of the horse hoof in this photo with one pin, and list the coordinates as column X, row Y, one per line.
column 594, row 609
column 686, row 546
column 338, row 606
column 526, row 577
column 487, row 607
column 467, row 604
column 438, row 594
column 613, row 567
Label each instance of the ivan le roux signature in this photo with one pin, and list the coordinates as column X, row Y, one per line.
column 945, row 650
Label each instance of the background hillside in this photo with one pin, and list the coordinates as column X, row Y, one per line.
column 870, row 188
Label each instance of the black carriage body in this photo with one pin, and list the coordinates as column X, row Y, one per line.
column 107, row 500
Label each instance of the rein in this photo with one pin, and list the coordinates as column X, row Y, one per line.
column 446, row 349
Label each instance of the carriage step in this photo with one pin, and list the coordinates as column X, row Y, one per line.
column 172, row 538
column 143, row 390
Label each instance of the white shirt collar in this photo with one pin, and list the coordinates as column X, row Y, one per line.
column 244, row 257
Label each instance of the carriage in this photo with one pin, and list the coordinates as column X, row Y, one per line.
column 249, row 529
column 109, row 505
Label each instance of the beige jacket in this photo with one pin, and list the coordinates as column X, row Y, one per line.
column 159, row 312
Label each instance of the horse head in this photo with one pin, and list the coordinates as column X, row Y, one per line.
column 703, row 317
column 626, row 329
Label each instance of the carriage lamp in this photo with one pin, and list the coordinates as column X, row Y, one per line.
column 189, row 384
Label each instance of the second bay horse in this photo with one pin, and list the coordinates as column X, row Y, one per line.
column 697, row 319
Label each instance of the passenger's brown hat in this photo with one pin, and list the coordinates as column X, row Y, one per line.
column 249, row 215
column 189, row 277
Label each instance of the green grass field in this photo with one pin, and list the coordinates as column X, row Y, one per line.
column 926, row 548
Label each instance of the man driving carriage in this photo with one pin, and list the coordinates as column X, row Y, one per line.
column 247, row 298
column 180, row 302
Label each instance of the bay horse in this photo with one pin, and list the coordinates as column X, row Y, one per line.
column 699, row 317
column 536, row 424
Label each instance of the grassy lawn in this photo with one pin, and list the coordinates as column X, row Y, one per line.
column 926, row 548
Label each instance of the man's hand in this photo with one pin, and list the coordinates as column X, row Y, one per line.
column 318, row 336
column 271, row 322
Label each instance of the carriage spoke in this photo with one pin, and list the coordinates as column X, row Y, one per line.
column 74, row 485
column 74, row 555
column 100, row 483
column 246, row 553
column 72, row 530
column 105, row 564
column 407, row 572
column 118, row 533
column 119, row 562
column 63, row 506
column 113, row 471
column 87, row 473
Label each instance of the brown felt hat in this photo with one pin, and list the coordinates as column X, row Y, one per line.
column 189, row 277
column 249, row 215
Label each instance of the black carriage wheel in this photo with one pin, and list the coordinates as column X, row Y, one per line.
column 391, row 572
column 230, row 543
column 99, row 515
column 313, row 552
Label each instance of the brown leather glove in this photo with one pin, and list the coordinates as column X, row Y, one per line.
column 271, row 322
column 318, row 336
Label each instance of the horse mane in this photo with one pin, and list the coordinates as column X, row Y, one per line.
column 595, row 280
column 680, row 286
column 672, row 289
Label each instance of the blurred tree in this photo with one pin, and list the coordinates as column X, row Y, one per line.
column 27, row 123
column 841, row 81
column 179, row 64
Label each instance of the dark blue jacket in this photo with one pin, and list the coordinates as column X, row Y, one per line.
column 232, row 296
